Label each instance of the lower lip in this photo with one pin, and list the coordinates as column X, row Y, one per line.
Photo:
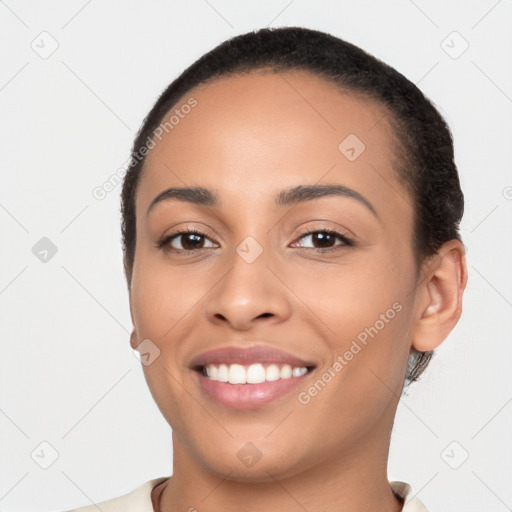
column 248, row 396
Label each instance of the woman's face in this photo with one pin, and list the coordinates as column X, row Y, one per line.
column 340, row 304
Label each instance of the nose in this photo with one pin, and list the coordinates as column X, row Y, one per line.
column 249, row 293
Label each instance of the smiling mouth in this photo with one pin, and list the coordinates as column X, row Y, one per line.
column 252, row 374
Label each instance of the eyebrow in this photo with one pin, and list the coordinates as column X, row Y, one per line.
column 287, row 197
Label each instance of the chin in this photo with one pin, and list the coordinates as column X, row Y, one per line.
column 247, row 463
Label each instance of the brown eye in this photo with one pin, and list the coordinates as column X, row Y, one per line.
column 190, row 241
column 325, row 239
column 185, row 241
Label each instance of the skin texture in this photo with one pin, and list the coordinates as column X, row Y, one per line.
column 248, row 138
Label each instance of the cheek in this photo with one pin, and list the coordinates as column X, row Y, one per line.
column 163, row 296
column 364, row 310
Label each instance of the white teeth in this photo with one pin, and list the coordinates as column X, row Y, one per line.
column 223, row 374
column 237, row 374
column 253, row 374
column 286, row 372
column 272, row 372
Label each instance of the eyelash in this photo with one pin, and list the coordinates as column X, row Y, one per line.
column 163, row 242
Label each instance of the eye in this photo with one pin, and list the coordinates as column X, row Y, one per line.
column 191, row 240
column 325, row 238
column 188, row 241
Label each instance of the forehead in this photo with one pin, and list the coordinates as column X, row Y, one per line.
column 252, row 134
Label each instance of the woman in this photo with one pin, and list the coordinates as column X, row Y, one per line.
column 292, row 254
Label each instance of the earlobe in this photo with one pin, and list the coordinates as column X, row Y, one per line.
column 133, row 335
column 133, row 339
column 440, row 297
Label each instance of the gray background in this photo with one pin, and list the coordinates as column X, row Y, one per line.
column 68, row 376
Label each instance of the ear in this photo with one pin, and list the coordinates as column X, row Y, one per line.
column 440, row 296
column 133, row 336
column 134, row 339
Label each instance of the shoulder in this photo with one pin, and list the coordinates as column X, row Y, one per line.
column 411, row 502
column 138, row 500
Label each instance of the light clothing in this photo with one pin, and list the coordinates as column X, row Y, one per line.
column 139, row 500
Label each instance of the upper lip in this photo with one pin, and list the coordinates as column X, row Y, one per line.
column 247, row 356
